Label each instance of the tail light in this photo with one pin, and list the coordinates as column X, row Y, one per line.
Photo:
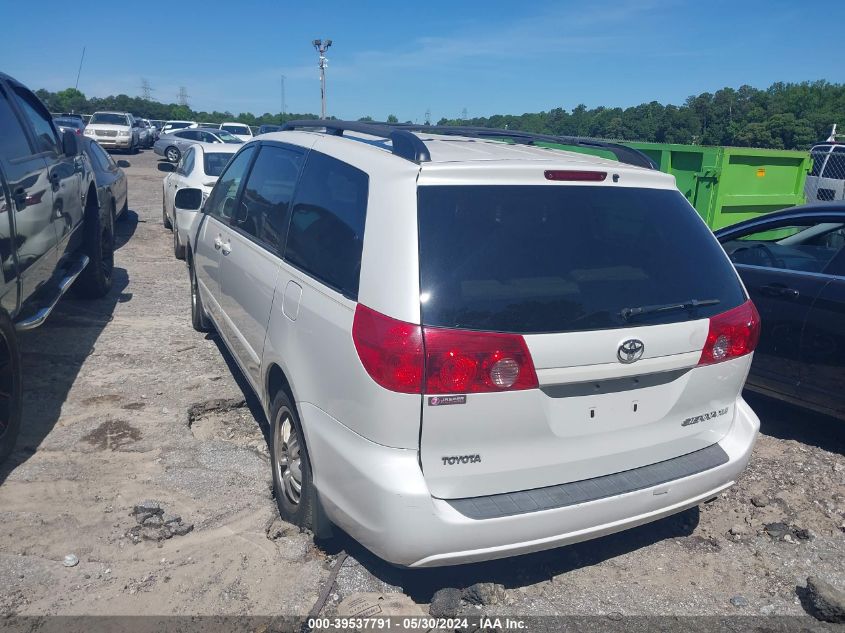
column 732, row 334
column 390, row 350
column 575, row 175
column 409, row 359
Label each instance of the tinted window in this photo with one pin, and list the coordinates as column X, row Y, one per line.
column 235, row 129
column 74, row 123
column 191, row 135
column 221, row 202
column 177, row 126
column 207, row 137
column 45, row 136
column 97, row 153
column 13, row 141
column 214, row 162
column 265, row 205
column 327, row 225
column 808, row 247
column 533, row 259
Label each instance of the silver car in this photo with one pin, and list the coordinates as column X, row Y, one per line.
column 470, row 349
column 173, row 145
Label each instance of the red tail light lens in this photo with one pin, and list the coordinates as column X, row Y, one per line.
column 390, row 350
column 732, row 334
column 457, row 361
column 575, row 175
column 406, row 358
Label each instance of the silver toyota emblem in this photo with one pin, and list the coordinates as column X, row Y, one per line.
column 630, row 351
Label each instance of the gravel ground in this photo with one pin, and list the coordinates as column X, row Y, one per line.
column 125, row 402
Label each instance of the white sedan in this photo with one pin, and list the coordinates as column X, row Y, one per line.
column 197, row 171
column 243, row 132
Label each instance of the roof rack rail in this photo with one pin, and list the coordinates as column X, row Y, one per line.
column 623, row 153
column 406, row 144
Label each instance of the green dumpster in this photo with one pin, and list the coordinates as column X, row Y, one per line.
column 727, row 184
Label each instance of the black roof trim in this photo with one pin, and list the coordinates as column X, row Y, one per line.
column 405, row 144
column 623, row 153
column 408, row 145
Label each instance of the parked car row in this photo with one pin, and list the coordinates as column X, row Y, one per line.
column 174, row 144
column 60, row 195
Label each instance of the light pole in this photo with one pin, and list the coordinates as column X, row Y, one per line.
column 321, row 48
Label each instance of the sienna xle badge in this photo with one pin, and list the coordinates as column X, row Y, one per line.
column 470, row 347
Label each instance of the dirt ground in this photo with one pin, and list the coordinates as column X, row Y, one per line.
column 125, row 402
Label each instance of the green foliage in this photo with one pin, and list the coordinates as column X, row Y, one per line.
column 392, row 118
column 784, row 116
column 72, row 100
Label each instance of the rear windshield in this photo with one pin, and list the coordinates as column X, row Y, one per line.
column 107, row 118
column 177, row 126
column 68, row 122
column 532, row 259
column 215, row 162
column 235, row 129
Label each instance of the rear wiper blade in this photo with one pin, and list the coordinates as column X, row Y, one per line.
column 692, row 304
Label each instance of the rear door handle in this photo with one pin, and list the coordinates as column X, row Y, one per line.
column 218, row 243
column 778, row 290
column 226, row 248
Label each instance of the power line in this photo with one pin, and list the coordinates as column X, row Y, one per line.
column 146, row 90
column 183, row 97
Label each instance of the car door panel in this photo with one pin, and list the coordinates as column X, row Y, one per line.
column 250, row 260
column 213, row 233
column 31, row 196
column 823, row 350
column 783, row 299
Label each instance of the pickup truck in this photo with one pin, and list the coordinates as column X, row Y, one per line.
column 54, row 233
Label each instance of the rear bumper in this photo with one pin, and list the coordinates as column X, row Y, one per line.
column 379, row 496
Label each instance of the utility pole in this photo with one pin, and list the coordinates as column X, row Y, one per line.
column 183, row 96
column 428, row 116
column 79, row 72
column 321, row 48
column 464, row 115
column 284, row 107
column 146, row 90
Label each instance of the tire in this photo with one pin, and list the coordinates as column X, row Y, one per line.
column 172, row 154
column 293, row 485
column 10, row 386
column 198, row 317
column 134, row 148
column 98, row 244
column 164, row 219
column 178, row 248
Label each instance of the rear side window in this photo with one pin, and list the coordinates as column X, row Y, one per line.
column 13, row 142
column 265, row 205
column 214, row 162
column 327, row 224
column 533, row 259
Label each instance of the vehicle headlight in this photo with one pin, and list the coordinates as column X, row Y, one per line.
column 123, row 132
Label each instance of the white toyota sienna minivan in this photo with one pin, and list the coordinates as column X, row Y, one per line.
column 470, row 346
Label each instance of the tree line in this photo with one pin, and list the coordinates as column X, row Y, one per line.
column 783, row 116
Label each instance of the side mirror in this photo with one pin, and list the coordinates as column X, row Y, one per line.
column 188, row 199
column 70, row 144
column 168, row 167
column 123, row 163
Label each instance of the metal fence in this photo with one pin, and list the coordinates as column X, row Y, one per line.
column 826, row 180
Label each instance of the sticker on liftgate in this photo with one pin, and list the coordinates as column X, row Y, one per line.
column 439, row 401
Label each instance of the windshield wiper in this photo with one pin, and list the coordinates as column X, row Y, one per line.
column 692, row 304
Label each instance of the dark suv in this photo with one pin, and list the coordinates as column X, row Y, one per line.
column 53, row 232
